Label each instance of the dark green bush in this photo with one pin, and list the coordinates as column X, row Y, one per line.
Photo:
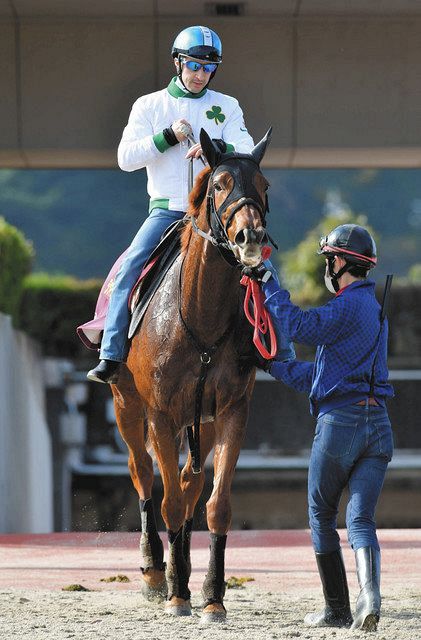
column 16, row 255
column 52, row 307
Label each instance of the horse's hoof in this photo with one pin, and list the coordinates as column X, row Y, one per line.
column 154, row 585
column 178, row 607
column 213, row 613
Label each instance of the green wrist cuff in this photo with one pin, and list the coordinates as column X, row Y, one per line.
column 160, row 143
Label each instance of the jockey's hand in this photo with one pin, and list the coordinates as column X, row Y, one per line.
column 181, row 129
column 195, row 151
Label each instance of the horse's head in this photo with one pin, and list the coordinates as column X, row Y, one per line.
column 237, row 201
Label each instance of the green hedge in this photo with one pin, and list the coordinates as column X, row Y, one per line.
column 51, row 309
column 16, row 255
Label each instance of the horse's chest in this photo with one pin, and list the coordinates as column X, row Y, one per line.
column 180, row 397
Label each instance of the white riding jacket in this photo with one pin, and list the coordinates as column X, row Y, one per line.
column 143, row 143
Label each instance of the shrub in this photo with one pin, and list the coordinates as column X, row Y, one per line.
column 16, row 255
column 414, row 274
column 53, row 306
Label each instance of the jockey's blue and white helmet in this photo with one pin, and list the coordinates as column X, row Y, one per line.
column 198, row 42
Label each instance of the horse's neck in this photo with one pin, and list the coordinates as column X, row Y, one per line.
column 209, row 298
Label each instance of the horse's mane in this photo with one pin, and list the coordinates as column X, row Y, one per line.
column 196, row 198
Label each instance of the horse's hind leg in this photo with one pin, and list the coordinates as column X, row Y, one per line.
column 130, row 420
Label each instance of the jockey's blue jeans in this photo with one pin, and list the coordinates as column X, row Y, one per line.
column 351, row 449
column 114, row 340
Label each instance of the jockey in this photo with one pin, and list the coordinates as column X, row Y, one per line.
column 353, row 444
column 161, row 125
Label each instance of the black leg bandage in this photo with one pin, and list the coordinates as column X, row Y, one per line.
column 151, row 547
column 213, row 589
column 177, row 574
column 187, row 532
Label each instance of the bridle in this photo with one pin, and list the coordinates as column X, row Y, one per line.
column 243, row 193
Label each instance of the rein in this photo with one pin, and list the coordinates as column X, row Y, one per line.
column 257, row 314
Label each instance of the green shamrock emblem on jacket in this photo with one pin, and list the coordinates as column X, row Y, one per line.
column 216, row 114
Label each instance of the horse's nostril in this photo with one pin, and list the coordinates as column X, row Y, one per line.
column 240, row 238
column 250, row 236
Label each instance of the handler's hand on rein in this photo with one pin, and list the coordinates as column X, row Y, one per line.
column 259, row 274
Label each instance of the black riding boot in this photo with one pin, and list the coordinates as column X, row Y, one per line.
column 106, row 371
column 337, row 612
column 367, row 612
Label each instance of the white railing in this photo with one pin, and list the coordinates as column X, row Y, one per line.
column 26, row 484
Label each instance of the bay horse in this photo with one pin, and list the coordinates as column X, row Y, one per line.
column 194, row 322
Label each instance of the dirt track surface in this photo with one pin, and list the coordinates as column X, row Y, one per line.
column 252, row 613
column 285, row 587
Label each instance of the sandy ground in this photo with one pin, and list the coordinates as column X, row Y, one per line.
column 252, row 613
column 286, row 586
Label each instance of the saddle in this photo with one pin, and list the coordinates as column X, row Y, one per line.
column 157, row 265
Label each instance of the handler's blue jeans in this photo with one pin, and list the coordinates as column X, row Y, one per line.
column 114, row 339
column 352, row 447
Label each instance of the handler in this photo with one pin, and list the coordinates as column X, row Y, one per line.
column 353, row 443
column 156, row 137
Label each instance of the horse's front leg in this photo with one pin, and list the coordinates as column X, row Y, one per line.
column 173, row 509
column 130, row 420
column 192, row 486
column 229, row 435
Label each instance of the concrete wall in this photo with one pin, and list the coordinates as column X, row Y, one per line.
column 25, row 446
column 340, row 81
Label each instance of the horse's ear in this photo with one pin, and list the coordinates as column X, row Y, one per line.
column 211, row 152
column 260, row 149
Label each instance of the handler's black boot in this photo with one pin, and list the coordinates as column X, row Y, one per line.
column 106, row 371
column 337, row 612
column 367, row 612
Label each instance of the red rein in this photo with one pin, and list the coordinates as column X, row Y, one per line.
column 257, row 315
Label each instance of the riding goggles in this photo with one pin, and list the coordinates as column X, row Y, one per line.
column 208, row 67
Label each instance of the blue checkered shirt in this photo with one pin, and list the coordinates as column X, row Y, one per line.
column 346, row 333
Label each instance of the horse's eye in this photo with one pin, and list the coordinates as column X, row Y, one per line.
column 217, row 186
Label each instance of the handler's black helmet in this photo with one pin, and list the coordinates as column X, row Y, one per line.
column 353, row 243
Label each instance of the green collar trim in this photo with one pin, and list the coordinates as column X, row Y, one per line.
column 175, row 91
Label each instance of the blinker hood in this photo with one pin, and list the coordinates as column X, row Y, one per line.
column 242, row 169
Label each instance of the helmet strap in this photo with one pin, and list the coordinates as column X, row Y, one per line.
column 336, row 276
column 180, row 72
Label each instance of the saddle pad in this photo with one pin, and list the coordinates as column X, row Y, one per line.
column 91, row 332
column 150, row 281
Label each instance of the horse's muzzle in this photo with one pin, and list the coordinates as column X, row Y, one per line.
column 248, row 245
